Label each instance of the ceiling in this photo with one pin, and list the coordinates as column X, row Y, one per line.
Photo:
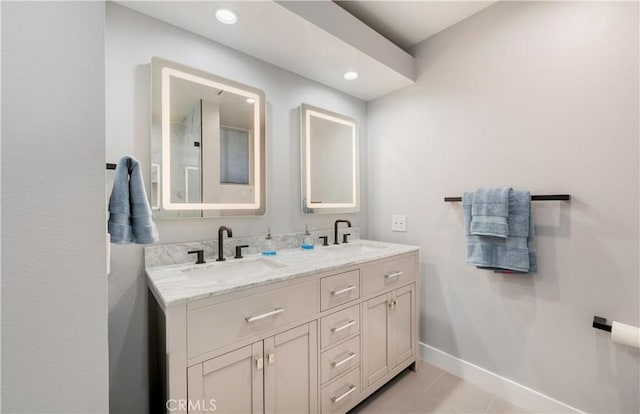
column 321, row 40
column 407, row 23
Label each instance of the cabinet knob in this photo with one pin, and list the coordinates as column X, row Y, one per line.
column 259, row 363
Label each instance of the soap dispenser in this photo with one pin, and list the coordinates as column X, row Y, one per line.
column 307, row 240
column 268, row 247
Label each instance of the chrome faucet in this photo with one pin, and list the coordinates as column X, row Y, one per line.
column 335, row 229
column 221, row 230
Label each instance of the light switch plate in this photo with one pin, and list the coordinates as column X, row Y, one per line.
column 398, row 222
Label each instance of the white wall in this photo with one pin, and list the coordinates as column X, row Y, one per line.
column 131, row 40
column 54, row 288
column 540, row 96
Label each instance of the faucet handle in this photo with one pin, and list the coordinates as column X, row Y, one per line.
column 200, row 254
column 345, row 237
column 239, row 251
column 325, row 240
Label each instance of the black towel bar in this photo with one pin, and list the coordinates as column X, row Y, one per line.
column 554, row 197
column 601, row 323
column 111, row 166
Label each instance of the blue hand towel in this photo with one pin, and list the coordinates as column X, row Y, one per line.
column 119, row 207
column 130, row 214
column 533, row 255
column 489, row 212
column 521, row 223
column 515, row 253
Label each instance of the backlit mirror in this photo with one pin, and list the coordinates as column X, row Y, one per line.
column 207, row 144
column 330, row 162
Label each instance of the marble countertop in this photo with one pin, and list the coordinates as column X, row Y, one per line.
column 175, row 284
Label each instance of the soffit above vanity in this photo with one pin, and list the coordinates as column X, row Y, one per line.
column 318, row 40
column 407, row 23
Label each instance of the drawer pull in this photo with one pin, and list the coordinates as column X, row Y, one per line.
column 341, row 291
column 392, row 275
column 352, row 388
column 344, row 361
column 264, row 315
column 343, row 327
column 259, row 363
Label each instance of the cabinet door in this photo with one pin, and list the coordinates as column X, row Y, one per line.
column 291, row 371
column 402, row 336
column 230, row 383
column 375, row 328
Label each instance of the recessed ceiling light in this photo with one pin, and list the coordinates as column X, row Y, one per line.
column 351, row 75
column 250, row 100
column 226, row 16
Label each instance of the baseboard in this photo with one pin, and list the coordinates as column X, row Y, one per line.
column 504, row 388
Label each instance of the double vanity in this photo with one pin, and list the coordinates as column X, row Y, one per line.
column 305, row 331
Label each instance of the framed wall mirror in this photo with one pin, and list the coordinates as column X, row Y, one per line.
column 207, row 144
column 330, row 162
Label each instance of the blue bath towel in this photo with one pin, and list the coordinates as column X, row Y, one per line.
column 516, row 253
column 489, row 212
column 129, row 212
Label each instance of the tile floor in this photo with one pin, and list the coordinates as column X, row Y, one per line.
column 432, row 390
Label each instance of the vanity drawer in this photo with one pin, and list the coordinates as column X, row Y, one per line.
column 222, row 324
column 341, row 395
column 388, row 274
column 340, row 359
column 338, row 326
column 339, row 289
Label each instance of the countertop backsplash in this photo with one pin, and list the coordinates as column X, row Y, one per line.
column 176, row 253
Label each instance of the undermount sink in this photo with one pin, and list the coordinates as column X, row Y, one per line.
column 232, row 268
column 359, row 247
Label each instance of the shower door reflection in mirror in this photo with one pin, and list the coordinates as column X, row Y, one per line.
column 207, row 144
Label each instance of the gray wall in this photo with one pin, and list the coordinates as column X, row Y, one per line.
column 54, row 288
column 131, row 40
column 540, row 96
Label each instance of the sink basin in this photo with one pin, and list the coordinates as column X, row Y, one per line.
column 233, row 268
column 358, row 247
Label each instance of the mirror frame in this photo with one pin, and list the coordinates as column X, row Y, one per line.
column 161, row 71
column 309, row 207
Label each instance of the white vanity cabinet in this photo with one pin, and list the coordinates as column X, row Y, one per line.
column 233, row 382
column 389, row 332
column 275, row 375
column 318, row 343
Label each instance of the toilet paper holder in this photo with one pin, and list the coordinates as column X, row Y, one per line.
column 601, row 323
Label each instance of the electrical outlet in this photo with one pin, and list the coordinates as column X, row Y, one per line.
column 398, row 223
